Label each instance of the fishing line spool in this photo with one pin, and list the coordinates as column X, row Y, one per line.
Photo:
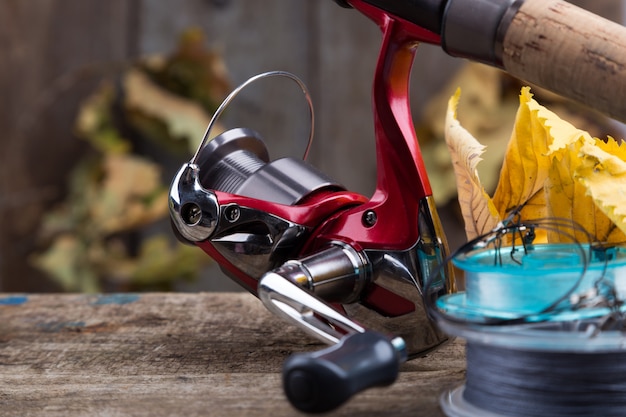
column 544, row 325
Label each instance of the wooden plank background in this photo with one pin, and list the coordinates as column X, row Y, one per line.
column 52, row 51
column 156, row 355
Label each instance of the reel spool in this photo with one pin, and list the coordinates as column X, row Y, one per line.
column 544, row 325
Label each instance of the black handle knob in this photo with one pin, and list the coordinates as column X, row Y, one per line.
column 321, row 381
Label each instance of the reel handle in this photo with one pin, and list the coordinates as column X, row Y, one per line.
column 357, row 358
column 320, row 381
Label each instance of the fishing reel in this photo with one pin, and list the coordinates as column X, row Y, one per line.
column 362, row 273
column 347, row 269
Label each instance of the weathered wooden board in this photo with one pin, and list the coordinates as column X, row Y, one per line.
column 175, row 354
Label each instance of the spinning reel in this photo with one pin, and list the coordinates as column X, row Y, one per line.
column 347, row 269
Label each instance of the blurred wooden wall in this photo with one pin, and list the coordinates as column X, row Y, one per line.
column 49, row 50
column 52, row 52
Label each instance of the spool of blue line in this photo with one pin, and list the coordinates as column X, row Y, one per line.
column 544, row 331
column 502, row 284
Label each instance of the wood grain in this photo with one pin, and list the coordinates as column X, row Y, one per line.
column 175, row 354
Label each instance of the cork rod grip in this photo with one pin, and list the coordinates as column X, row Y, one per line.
column 570, row 51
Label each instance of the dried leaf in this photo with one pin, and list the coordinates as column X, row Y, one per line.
column 550, row 170
column 159, row 261
column 65, row 261
column 193, row 71
column 182, row 119
column 525, row 166
column 489, row 116
column 91, row 235
column 603, row 175
column 479, row 213
column 131, row 195
column 567, row 200
column 95, row 121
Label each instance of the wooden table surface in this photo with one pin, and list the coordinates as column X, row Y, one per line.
column 207, row 354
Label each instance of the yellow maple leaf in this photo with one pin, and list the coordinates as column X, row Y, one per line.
column 603, row 175
column 565, row 199
column 479, row 213
column 525, row 166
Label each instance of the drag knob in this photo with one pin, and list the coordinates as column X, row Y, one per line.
column 321, row 381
